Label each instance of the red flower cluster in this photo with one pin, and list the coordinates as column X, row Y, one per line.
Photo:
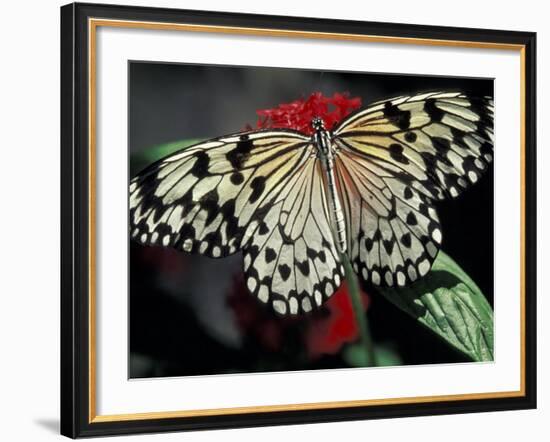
column 329, row 334
column 299, row 113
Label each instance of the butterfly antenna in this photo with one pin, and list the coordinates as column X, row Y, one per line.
column 319, row 82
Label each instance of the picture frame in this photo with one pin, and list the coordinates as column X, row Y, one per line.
column 81, row 175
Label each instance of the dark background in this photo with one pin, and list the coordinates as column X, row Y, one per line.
column 191, row 315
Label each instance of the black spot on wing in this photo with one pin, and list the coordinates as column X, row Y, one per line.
column 186, row 232
column 435, row 114
column 311, row 253
column 396, row 152
column 263, row 229
column 228, row 208
column 228, row 212
column 237, row 178
column 411, row 219
column 258, row 187
column 214, row 238
column 200, row 166
column 304, row 267
column 406, row 240
column 400, row 118
column 209, row 203
column 270, row 255
column 284, row 271
column 430, row 160
column 240, row 153
column 441, row 145
column 369, row 243
column 458, row 137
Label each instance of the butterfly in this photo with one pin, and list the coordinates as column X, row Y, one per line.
column 296, row 205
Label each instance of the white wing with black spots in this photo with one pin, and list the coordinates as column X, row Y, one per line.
column 393, row 159
column 203, row 198
column 256, row 192
column 293, row 263
column 394, row 232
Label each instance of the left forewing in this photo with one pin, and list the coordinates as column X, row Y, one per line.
column 203, row 199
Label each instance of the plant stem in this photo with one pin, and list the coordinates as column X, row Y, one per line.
column 360, row 316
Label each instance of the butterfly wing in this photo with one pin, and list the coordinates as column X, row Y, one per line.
column 393, row 160
column 244, row 192
column 394, row 231
column 293, row 262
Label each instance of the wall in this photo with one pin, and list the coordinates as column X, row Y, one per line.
column 29, row 223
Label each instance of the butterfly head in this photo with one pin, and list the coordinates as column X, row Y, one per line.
column 318, row 124
column 321, row 138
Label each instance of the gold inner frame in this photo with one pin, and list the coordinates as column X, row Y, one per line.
column 93, row 24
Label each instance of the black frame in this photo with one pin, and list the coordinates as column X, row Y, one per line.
column 75, row 220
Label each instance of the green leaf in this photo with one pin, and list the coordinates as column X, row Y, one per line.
column 450, row 304
column 356, row 355
column 151, row 154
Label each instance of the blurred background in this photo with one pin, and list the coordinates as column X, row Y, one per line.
column 191, row 315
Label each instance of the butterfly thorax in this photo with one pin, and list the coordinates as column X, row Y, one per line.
column 323, row 142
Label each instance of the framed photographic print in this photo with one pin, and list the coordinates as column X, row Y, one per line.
column 274, row 220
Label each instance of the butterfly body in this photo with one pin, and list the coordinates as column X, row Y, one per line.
column 296, row 205
column 325, row 147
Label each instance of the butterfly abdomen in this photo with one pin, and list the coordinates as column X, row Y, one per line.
column 336, row 209
column 323, row 143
